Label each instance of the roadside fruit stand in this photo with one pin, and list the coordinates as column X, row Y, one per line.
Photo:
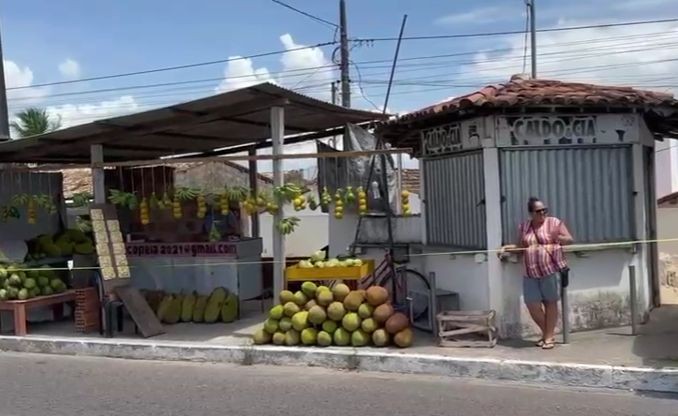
column 190, row 244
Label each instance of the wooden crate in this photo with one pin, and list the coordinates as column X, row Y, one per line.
column 295, row 273
column 467, row 329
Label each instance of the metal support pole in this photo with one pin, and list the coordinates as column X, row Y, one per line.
column 4, row 117
column 632, row 300
column 98, row 185
column 254, row 186
column 278, row 139
column 343, row 35
column 399, row 184
column 565, row 313
column 533, row 37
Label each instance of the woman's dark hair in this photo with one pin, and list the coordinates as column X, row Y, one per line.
column 531, row 203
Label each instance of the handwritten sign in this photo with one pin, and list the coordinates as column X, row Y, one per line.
column 441, row 140
column 214, row 249
column 554, row 130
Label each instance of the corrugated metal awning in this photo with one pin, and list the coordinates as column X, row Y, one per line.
column 233, row 118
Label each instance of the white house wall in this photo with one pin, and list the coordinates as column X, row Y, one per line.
column 311, row 233
column 666, row 158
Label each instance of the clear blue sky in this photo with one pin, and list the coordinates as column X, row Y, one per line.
column 104, row 37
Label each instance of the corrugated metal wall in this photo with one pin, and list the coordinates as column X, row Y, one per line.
column 455, row 193
column 590, row 188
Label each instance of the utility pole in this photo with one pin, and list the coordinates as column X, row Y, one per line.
column 4, row 117
column 533, row 36
column 345, row 82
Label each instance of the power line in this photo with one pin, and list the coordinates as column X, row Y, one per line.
column 316, row 18
column 517, row 32
column 173, row 68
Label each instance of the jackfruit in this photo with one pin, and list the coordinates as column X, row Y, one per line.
column 380, row 337
column 340, row 291
column 300, row 320
column 353, row 300
column 271, row 326
column 300, row 298
column 365, row 310
column 52, row 250
column 214, row 304
column 174, row 310
column 309, row 289
column 351, row 321
column 164, row 306
column 329, row 327
column 290, row 309
column 285, row 324
column 286, row 296
column 187, row 307
column 276, row 312
column 368, row 325
column 278, row 338
column 199, row 309
column 376, row 295
column 309, row 336
column 341, row 337
column 261, row 337
column 317, row 315
column 229, row 311
column 324, row 297
column 311, row 303
column 403, row 339
column 324, row 339
column 359, row 338
column 382, row 313
column 84, row 248
column 291, row 337
column 336, row 311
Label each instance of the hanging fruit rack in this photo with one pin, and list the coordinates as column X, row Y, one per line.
column 299, row 197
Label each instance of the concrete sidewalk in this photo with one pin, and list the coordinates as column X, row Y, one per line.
column 607, row 358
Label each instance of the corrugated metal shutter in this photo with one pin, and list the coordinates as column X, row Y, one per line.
column 591, row 189
column 455, row 193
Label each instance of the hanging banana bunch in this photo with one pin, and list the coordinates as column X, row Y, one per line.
column 167, row 202
column 31, row 211
column 224, row 203
column 287, row 225
column 350, row 196
column 339, row 204
column 325, row 198
column 362, row 201
column 177, row 212
column 154, row 202
column 299, row 203
column 123, row 199
column 312, row 203
column 237, row 193
column 144, row 213
column 201, row 203
column 405, row 202
column 7, row 212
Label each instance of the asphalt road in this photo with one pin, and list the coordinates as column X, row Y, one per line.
column 53, row 385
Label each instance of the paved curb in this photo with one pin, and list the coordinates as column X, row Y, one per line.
column 363, row 359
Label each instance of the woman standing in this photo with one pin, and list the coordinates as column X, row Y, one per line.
column 540, row 241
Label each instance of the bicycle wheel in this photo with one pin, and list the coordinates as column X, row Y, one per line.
column 417, row 290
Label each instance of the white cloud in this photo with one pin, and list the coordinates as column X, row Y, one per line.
column 74, row 114
column 70, row 69
column 641, row 5
column 633, row 55
column 15, row 77
column 478, row 16
column 241, row 73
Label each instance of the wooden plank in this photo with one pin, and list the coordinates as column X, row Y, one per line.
column 468, row 344
column 141, row 313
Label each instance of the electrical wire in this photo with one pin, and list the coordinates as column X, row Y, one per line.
column 518, row 32
column 316, row 18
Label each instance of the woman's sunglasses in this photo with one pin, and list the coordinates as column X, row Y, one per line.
column 543, row 211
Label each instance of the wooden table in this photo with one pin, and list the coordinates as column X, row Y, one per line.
column 19, row 308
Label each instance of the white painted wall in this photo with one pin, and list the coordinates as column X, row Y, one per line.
column 666, row 157
column 310, row 235
column 667, row 228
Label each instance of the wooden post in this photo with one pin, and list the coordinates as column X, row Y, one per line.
column 98, row 185
column 278, row 139
column 254, row 187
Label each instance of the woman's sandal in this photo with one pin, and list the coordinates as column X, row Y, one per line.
column 540, row 343
column 549, row 345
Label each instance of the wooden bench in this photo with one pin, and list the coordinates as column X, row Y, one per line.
column 20, row 307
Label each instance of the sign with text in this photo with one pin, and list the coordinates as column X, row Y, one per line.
column 441, row 140
column 110, row 247
column 212, row 249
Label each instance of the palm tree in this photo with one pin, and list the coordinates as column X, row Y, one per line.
column 33, row 121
